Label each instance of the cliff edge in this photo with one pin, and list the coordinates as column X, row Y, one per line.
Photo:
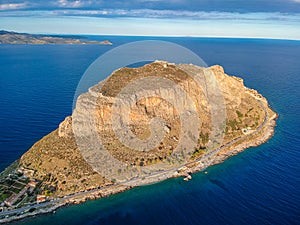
column 61, row 165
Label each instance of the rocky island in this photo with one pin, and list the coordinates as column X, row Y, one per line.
column 8, row 37
column 65, row 166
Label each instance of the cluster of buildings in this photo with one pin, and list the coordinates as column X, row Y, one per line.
column 26, row 172
column 27, row 189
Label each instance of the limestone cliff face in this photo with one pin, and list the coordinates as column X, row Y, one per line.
column 65, row 128
column 58, row 159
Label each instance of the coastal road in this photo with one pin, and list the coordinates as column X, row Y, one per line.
column 159, row 173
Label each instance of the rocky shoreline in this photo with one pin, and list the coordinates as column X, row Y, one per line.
column 256, row 127
column 267, row 133
column 73, row 201
column 242, row 147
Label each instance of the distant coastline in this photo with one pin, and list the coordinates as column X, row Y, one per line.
column 9, row 37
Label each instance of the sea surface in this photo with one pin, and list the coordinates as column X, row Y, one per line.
column 259, row 186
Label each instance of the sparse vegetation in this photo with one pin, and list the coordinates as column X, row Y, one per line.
column 60, row 168
column 240, row 115
column 4, row 196
column 204, row 138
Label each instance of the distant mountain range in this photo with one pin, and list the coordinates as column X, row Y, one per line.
column 9, row 37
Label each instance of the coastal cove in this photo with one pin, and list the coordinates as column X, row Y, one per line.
column 241, row 179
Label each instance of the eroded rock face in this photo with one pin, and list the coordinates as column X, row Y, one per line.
column 65, row 128
column 141, row 103
column 144, row 94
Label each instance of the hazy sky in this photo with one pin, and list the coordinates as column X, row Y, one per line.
column 217, row 18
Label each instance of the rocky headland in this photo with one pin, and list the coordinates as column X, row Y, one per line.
column 8, row 37
column 64, row 162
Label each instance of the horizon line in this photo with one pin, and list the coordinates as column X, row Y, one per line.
column 167, row 36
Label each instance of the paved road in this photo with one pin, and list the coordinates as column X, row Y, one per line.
column 159, row 173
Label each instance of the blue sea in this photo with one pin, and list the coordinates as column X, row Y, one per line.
column 259, row 186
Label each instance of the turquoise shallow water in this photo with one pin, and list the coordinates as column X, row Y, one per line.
column 258, row 186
